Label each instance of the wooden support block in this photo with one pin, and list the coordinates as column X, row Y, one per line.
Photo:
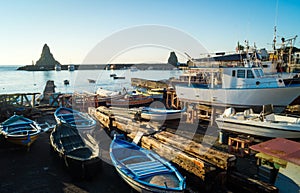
column 188, row 162
column 220, row 159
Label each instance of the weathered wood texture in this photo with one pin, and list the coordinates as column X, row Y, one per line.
column 21, row 99
column 188, row 162
column 205, row 152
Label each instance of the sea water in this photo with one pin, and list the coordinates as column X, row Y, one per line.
column 17, row 81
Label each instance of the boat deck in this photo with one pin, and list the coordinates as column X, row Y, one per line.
column 143, row 169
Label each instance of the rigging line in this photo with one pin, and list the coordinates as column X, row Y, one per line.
column 276, row 13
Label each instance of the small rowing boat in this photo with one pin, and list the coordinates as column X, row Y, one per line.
column 80, row 158
column 20, row 130
column 161, row 113
column 79, row 120
column 144, row 170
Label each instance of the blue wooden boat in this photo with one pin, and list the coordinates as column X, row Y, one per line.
column 20, row 130
column 144, row 170
column 79, row 120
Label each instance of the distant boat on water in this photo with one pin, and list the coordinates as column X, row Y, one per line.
column 133, row 68
column 71, row 67
column 66, row 82
column 92, row 81
column 119, row 77
column 57, row 67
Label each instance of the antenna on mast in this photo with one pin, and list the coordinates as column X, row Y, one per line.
column 274, row 40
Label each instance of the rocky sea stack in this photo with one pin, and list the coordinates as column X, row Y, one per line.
column 46, row 61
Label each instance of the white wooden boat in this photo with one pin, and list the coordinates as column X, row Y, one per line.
column 101, row 92
column 20, row 130
column 80, row 120
column 265, row 124
column 143, row 169
column 161, row 113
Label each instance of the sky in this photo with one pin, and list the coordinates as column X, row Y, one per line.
column 72, row 28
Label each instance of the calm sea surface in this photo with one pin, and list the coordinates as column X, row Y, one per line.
column 16, row 81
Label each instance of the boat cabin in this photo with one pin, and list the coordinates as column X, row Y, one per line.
column 229, row 78
column 248, row 77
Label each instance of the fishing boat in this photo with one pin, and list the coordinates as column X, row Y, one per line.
column 107, row 93
column 119, row 77
column 144, row 170
column 130, row 101
column 20, row 130
column 81, row 158
column 235, row 86
column 104, row 95
column 66, row 82
column 91, row 80
column 264, row 124
column 149, row 113
column 79, row 120
column 71, row 67
column 57, row 67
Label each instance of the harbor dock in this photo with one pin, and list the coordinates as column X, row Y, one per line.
column 209, row 162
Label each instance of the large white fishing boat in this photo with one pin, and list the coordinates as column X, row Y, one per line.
column 239, row 85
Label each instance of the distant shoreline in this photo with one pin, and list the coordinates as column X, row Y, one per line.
column 157, row 66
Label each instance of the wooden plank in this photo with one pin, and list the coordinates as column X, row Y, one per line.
column 132, row 127
column 220, row 159
column 104, row 119
column 186, row 161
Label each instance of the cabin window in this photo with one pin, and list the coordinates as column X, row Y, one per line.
column 261, row 72
column 233, row 73
column 250, row 74
column 257, row 73
column 241, row 73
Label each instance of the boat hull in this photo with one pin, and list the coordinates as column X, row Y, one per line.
column 144, row 170
column 280, row 97
column 20, row 130
column 81, row 160
column 161, row 114
column 22, row 140
column 141, row 187
column 130, row 102
column 161, row 117
column 262, row 129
